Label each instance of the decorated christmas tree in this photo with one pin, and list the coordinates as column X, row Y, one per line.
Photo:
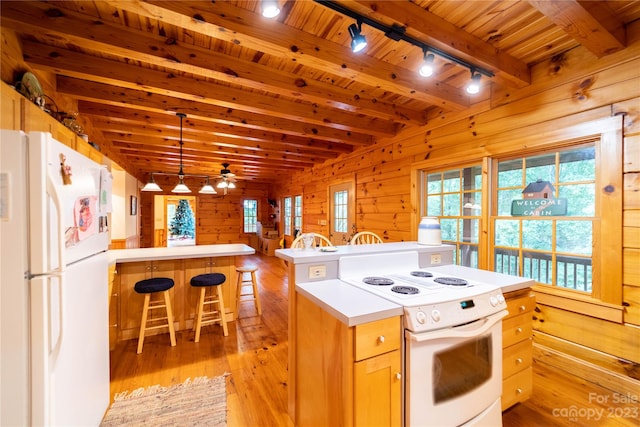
column 183, row 223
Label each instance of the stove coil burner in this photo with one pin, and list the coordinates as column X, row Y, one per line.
column 419, row 273
column 451, row 281
column 406, row 290
column 378, row 281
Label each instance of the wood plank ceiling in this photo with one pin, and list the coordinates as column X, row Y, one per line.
column 272, row 96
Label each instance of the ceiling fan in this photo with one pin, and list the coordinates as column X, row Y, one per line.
column 227, row 178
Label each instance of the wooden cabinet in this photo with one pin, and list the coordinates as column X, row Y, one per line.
column 346, row 376
column 11, row 108
column 184, row 299
column 517, row 348
column 268, row 246
column 195, row 266
column 127, row 274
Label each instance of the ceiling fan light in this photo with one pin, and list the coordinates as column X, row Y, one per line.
column 270, row 9
column 231, row 185
column 222, row 184
column 181, row 187
column 151, row 186
column 358, row 41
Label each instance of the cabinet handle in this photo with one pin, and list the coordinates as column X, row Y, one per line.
column 518, row 391
column 398, row 376
column 518, row 330
column 518, row 360
column 522, row 308
column 381, row 339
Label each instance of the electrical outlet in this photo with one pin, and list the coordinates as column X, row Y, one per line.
column 436, row 259
column 317, row 271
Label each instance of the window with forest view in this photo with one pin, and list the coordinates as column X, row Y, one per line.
column 286, row 203
column 250, row 213
column 543, row 227
column 455, row 197
column 297, row 213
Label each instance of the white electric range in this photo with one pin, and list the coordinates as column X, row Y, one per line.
column 452, row 363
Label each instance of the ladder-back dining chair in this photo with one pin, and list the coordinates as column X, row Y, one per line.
column 365, row 238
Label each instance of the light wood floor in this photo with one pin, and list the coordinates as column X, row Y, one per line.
column 254, row 358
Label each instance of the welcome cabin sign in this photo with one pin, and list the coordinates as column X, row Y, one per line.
column 537, row 200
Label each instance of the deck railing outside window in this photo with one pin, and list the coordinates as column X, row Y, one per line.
column 572, row 272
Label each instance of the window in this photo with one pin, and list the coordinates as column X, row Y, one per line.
column 545, row 217
column 550, row 209
column 455, row 196
column 250, row 211
column 340, row 211
column 287, row 215
column 297, row 213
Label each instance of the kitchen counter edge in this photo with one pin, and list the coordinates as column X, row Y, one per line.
column 348, row 304
column 180, row 252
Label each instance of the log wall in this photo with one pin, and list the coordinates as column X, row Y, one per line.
column 583, row 90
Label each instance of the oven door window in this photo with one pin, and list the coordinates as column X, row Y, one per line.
column 461, row 369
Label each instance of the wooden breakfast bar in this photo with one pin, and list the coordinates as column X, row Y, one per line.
column 179, row 264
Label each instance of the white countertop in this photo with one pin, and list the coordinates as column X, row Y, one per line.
column 348, row 304
column 304, row 255
column 180, row 252
column 353, row 306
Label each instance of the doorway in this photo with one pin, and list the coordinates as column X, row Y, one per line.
column 342, row 212
column 165, row 210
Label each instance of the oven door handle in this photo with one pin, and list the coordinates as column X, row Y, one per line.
column 487, row 323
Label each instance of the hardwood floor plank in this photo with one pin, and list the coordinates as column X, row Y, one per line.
column 254, row 358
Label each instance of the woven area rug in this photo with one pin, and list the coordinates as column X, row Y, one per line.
column 198, row 402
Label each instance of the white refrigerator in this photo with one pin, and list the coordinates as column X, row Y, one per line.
column 54, row 334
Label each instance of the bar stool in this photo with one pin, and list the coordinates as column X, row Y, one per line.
column 250, row 281
column 210, row 281
column 149, row 287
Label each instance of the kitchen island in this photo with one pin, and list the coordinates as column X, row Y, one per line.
column 179, row 264
column 348, row 341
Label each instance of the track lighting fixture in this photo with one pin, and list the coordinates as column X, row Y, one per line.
column 270, row 8
column 397, row 32
column 474, row 85
column 426, row 69
column 181, row 187
column 358, row 41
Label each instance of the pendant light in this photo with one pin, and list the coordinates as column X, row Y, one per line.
column 181, row 187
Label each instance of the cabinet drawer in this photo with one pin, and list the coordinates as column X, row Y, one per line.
column 377, row 337
column 517, row 388
column 517, row 357
column 516, row 329
column 520, row 304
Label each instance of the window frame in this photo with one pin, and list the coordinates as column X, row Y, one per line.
column 605, row 300
column 287, row 212
column 255, row 225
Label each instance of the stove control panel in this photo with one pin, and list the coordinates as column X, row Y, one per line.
column 454, row 312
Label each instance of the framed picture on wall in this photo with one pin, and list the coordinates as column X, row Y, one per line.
column 134, row 206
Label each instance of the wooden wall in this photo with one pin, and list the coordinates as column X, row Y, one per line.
column 584, row 90
column 219, row 217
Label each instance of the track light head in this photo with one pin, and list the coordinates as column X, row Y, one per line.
column 474, row 85
column 358, row 41
column 426, row 69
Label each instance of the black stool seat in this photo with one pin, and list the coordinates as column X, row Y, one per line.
column 155, row 284
column 209, row 279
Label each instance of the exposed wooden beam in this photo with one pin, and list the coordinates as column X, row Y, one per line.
column 445, row 36
column 590, row 23
column 235, row 25
column 84, row 31
column 103, row 93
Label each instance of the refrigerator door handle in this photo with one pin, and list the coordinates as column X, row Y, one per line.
column 55, row 197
